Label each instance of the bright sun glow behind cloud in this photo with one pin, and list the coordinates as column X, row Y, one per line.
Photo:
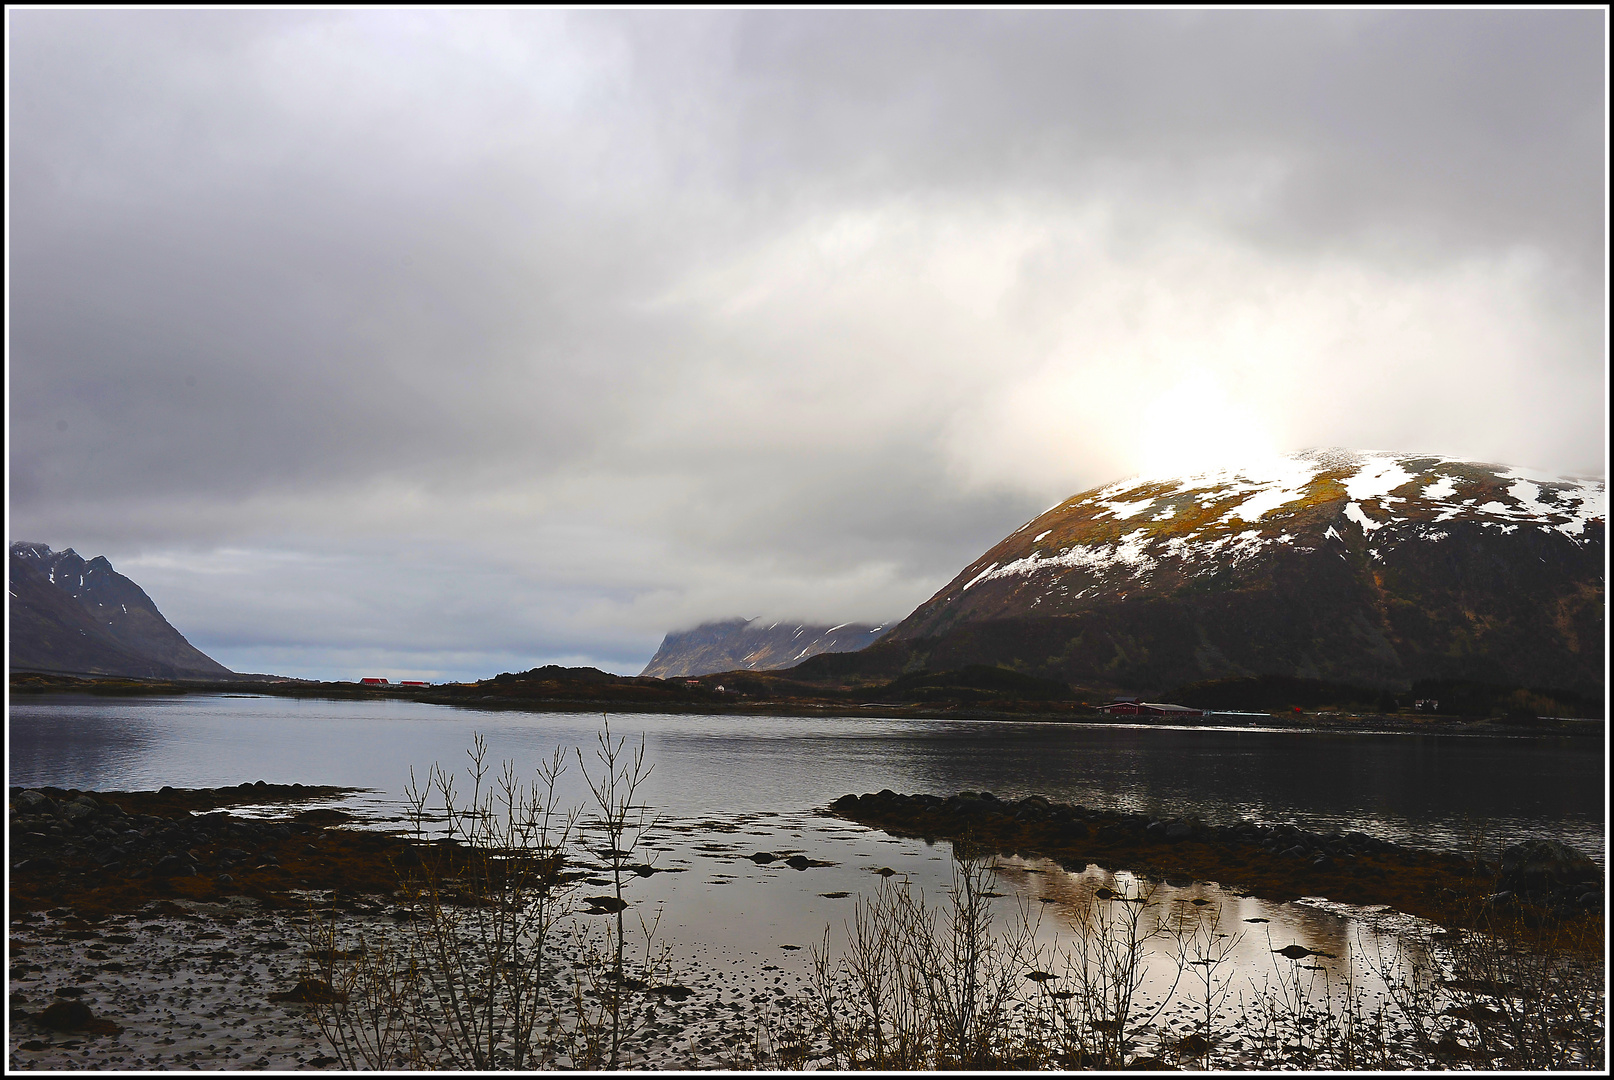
column 1196, row 425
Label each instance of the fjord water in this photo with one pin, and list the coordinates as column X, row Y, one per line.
column 1429, row 790
column 728, row 787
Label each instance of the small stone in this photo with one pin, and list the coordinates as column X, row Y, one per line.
column 313, row 992
column 73, row 1015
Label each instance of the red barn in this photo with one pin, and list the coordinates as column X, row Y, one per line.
column 373, row 682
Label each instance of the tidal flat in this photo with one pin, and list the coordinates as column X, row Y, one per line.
column 217, row 960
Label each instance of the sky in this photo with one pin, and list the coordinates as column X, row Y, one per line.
column 434, row 344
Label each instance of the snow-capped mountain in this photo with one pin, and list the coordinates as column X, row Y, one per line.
column 82, row 617
column 1370, row 568
column 752, row 645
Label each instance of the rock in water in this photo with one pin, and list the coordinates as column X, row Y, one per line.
column 311, row 992
column 74, row 1015
column 1539, row 866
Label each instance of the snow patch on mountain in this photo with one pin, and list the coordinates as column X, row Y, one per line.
column 1129, row 552
column 1377, row 478
column 1251, row 495
column 1354, row 512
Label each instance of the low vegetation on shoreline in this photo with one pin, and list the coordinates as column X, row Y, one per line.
column 985, row 694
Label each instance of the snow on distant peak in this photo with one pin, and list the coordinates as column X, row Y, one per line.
column 1355, row 513
column 1444, row 488
column 1377, row 477
column 1265, row 484
column 1434, row 489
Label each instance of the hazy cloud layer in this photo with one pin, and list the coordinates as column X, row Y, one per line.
column 440, row 344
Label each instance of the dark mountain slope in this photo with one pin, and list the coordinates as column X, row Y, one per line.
column 83, row 617
column 1374, row 570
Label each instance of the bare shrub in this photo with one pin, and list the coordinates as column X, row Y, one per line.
column 479, row 974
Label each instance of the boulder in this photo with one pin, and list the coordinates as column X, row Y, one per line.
column 1539, row 866
column 311, row 992
column 173, row 866
column 73, row 1015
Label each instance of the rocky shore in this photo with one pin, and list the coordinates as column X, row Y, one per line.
column 115, row 852
column 156, row 930
column 147, row 929
column 1542, row 879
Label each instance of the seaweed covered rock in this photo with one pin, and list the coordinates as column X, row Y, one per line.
column 1551, row 872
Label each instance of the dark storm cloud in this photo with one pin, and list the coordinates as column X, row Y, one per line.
column 441, row 336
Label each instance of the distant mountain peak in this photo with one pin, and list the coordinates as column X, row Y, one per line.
column 1198, row 522
column 83, row 617
column 751, row 645
column 1364, row 566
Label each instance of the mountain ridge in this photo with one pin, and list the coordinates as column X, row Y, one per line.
column 746, row 645
column 1371, row 568
column 79, row 616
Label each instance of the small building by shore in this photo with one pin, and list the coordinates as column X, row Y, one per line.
column 1133, row 707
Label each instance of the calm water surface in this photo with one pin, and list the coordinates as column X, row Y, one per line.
column 1424, row 789
column 726, row 787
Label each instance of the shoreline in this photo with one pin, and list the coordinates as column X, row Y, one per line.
column 193, row 949
column 1279, row 863
column 42, row 685
column 188, row 950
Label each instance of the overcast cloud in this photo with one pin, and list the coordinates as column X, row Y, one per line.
column 435, row 344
